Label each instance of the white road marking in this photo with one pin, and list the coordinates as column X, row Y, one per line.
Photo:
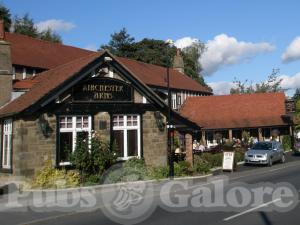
column 251, row 210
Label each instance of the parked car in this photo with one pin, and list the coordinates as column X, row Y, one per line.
column 266, row 153
column 296, row 148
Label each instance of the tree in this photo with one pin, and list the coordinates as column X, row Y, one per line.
column 5, row 16
column 49, row 35
column 120, row 43
column 156, row 52
column 297, row 94
column 192, row 66
column 25, row 25
column 272, row 84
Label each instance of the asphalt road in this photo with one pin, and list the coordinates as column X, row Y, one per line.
column 248, row 215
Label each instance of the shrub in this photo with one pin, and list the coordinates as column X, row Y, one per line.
column 202, row 168
column 133, row 169
column 92, row 158
column 160, row 172
column 286, row 142
column 182, row 168
column 49, row 177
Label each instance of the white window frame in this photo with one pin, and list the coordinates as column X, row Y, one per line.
column 7, row 131
column 125, row 128
column 24, row 73
column 74, row 130
column 174, row 101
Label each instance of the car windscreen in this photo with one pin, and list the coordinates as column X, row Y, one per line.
column 262, row 146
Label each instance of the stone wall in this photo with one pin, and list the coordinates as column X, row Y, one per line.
column 31, row 149
column 102, row 117
column 154, row 141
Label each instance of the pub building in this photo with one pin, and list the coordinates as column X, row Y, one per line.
column 263, row 115
column 123, row 100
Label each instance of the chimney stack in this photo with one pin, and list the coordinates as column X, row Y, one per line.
column 2, row 31
column 5, row 68
column 178, row 61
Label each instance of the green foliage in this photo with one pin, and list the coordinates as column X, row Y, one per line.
column 25, row 25
column 92, row 158
column 239, row 155
column 120, row 44
column 49, row 35
column 49, row 177
column 158, row 173
column 5, row 16
column 182, row 168
column 202, row 168
column 287, row 142
column 214, row 160
column 273, row 84
column 133, row 169
column 156, row 52
column 91, row 179
column 246, row 136
column 296, row 96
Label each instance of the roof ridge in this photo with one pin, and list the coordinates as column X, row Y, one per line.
column 174, row 70
column 46, row 42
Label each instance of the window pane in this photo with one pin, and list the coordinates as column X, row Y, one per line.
column 119, row 140
column 85, row 121
column 65, row 147
column 132, row 142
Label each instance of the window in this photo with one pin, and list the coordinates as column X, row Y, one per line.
column 126, row 134
column 24, row 73
column 174, row 101
column 6, row 144
column 70, row 127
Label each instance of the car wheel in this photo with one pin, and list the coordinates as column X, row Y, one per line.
column 282, row 160
column 270, row 163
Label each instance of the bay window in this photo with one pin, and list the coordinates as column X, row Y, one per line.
column 127, row 136
column 70, row 127
column 6, row 144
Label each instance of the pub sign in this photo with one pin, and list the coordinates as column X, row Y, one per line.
column 103, row 90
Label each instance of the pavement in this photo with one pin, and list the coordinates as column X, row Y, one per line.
column 251, row 176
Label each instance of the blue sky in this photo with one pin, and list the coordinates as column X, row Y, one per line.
column 247, row 38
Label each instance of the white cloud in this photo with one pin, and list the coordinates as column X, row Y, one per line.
column 55, row 25
column 91, row 47
column 222, row 87
column 292, row 52
column 290, row 82
column 185, row 42
column 224, row 50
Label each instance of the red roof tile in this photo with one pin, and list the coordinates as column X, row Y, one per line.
column 157, row 76
column 49, row 80
column 24, row 84
column 32, row 52
column 235, row 111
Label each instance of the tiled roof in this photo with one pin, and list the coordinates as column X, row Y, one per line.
column 33, row 52
column 49, row 80
column 157, row 76
column 236, row 111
